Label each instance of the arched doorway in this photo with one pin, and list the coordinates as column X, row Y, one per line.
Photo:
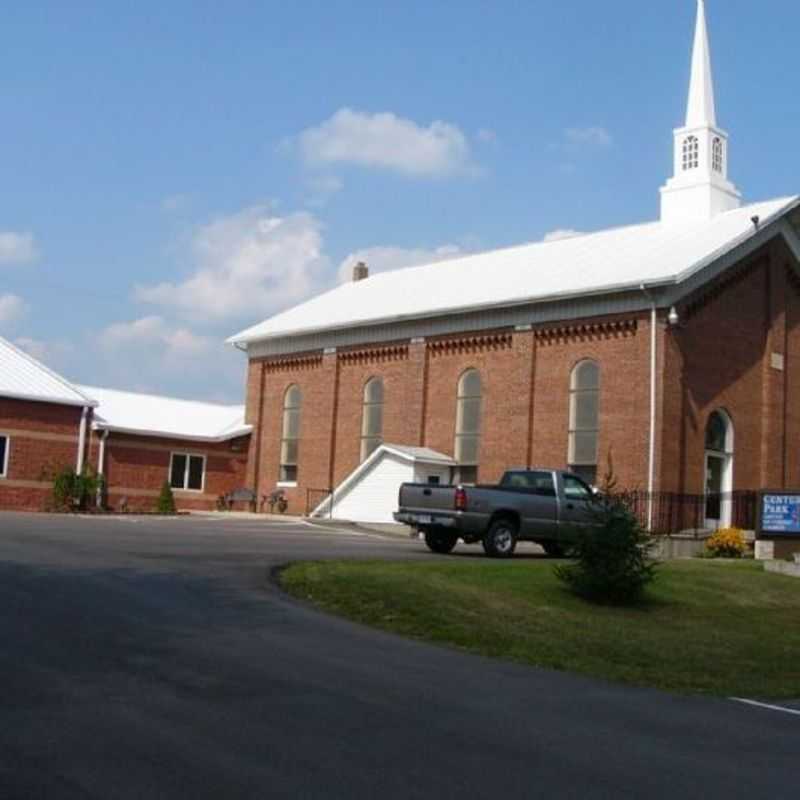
column 719, row 470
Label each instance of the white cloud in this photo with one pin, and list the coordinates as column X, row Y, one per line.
column 593, row 136
column 250, row 263
column 53, row 354
column 17, row 248
column 561, row 233
column 384, row 259
column 320, row 189
column 172, row 343
column 386, row 141
column 152, row 354
column 12, row 308
column 487, row 135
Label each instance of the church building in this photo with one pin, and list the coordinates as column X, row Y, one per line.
column 670, row 348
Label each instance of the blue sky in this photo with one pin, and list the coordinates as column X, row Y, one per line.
column 173, row 172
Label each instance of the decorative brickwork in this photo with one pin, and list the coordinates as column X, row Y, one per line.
column 374, row 355
column 586, row 332
column 471, row 344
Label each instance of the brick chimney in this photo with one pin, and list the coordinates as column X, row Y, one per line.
column 360, row 272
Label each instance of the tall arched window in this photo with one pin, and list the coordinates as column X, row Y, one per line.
column 584, row 419
column 468, row 426
column 719, row 469
column 691, row 153
column 716, row 154
column 290, row 434
column 372, row 418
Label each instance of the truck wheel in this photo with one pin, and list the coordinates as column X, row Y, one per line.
column 440, row 542
column 554, row 549
column 501, row 539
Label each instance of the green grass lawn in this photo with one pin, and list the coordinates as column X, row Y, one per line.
column 725, row 628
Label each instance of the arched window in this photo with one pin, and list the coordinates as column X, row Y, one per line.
column 468, row 426
column 584, row 416
column 691, row 153
column 719, row 469
column 372, row 417
column 290, row 434
column 716, row 154
column 718, row 432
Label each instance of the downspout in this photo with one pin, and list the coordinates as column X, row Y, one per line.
column 101, row 465
column 651, row 471
column 82, row 440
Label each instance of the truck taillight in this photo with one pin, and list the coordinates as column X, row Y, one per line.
column 461, row 499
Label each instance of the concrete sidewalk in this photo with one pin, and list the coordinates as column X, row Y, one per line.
column 389, row 529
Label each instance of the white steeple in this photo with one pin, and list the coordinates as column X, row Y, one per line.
column 701, row 110
column 700, row 188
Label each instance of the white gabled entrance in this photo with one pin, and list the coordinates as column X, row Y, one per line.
column 370, row 492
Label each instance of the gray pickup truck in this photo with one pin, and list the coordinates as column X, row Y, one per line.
column 534, row 505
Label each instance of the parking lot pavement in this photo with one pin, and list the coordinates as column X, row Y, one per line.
column 147, row 658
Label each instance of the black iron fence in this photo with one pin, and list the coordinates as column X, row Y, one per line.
column 314, row 497
column 674, row 512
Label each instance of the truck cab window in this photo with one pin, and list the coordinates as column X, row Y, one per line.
column 576, row 489
column 537, row 482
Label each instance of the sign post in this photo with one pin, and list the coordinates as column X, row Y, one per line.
column 778, row 531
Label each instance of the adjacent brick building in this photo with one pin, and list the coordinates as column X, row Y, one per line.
column 138, row 441
column 668, row 349
column 135, row 441
column 44, row 422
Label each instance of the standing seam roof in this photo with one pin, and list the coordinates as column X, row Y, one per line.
column 23, row 377
column 604, row 262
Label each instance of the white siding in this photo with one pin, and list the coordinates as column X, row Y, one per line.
column 373, row 496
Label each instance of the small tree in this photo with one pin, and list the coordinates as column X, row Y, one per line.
column 73, row 491
column 166, row 500
column 612, row 562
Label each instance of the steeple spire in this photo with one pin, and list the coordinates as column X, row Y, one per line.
column 701, row 110
column 700, row 188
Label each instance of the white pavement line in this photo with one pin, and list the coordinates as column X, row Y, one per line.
column 346, row 532
column 783, row 709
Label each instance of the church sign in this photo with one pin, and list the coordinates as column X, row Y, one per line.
column 779, row 514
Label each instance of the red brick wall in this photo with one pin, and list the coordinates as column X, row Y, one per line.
column 621, row 348
column 315, row 376
column 137, row 466
column 720, row 358
column 504, row 364
column 44, row 439
column 525, row 384
column 401, row 376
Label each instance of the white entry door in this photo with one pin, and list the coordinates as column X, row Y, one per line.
column 718, row 500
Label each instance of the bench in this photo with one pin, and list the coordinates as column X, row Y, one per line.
column 242, row 495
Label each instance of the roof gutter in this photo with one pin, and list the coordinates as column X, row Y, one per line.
column 30, row 398
column 245, row 430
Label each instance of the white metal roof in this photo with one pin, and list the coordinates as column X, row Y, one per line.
column 152, row 415
column 419, row 455
column 24, row 378
column 609, row 261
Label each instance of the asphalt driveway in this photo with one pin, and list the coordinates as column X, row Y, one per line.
column 146, row 658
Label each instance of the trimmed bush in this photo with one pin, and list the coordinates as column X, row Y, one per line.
column 727, row 543
column 612, row 562
column 166, row 500
column 73, row 491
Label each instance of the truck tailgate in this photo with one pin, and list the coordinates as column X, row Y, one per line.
column 424, row 497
